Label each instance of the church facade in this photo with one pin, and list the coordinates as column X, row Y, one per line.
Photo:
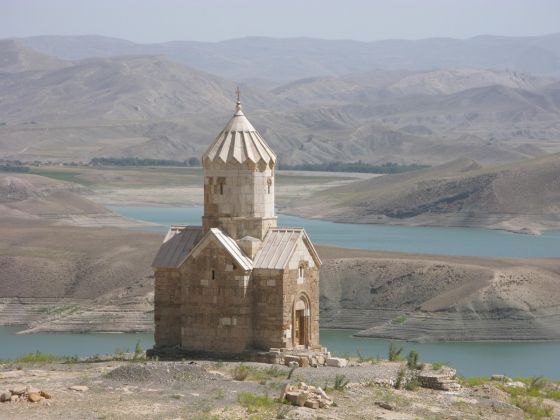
column 238, row 282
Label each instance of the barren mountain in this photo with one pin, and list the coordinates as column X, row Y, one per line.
column 150, row 106
column 380, row 85
column 522, row 196
column 16, row 58
column 124, row 88
column 455, row 80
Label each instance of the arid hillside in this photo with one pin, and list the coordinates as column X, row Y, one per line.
column 427, row 298
column 152, row 106
column 120, row 88
column 522, row 196
column 16, row 58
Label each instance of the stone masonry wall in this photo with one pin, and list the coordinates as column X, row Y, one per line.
column 216, row 312
column 268, row 309
column 167, row 307
column 239, row 199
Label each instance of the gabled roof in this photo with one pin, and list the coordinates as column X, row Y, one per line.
column 178, row 242
column 279, row 245
column 239, row 142
column 228, row 243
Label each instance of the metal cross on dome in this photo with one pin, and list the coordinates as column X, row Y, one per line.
column 238, row 94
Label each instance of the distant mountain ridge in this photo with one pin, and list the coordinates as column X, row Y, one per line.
column 282, row 60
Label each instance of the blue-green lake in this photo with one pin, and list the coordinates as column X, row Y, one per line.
column 414, row 239
column 470, row 359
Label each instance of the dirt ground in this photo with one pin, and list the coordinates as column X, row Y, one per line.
column 207, row 390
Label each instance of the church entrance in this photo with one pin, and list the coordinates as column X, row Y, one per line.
column 300, row 323
column 300, row 327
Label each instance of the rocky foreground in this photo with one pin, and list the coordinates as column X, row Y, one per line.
column 227, row 390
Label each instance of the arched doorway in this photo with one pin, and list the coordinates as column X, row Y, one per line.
column 301, row 322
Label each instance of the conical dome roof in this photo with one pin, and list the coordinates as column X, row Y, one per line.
column 239, row 142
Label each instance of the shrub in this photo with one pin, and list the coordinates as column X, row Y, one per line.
column 274, row 371
column 38, row 357
column 240, row 372
column 412, row 384
column 363, row 359
column 555, row 395
column 437, row 365
column 399, row 320
column 263, row 374
column 340, row 382
column 537, row 383
column 400, row 377
column 535, row 407
column 394, row 353
column 412, row 361
column 474, row 380
column 254, row 403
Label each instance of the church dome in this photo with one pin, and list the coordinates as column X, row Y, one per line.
column 239, row 142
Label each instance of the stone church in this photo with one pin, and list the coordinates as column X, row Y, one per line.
column 238, row 282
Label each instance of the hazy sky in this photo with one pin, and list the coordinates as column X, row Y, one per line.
column 213, row 20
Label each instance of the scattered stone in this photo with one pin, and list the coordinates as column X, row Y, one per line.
column 18, row 390
column 5, row 396
column 304, row 395
column 314, row 404
column 291, row 397
column 301, row 398
column 337, row 362
column 500, row 378
column 386, row 405
column 14, row 398
column 516, row 384
column 443, row 380
column 79, row 388
column 289, row 360
column 30, row 389
column 45, row 395
column 34, row 397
